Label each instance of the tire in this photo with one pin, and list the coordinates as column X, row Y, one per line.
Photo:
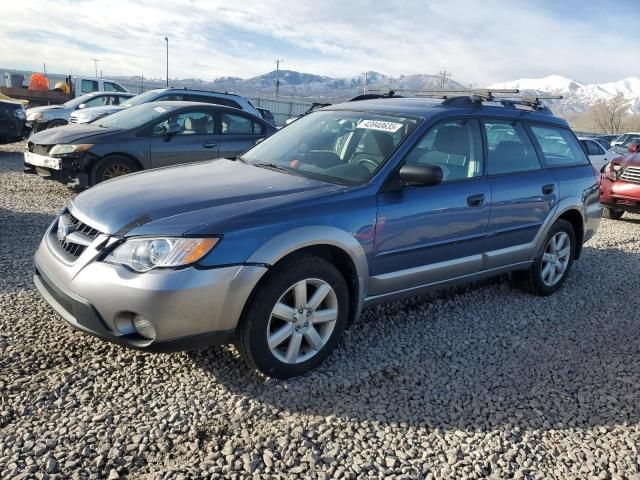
column 111, row 167
column 538, row 280
column 282, row 360
column 56, row 123
column 612, row 214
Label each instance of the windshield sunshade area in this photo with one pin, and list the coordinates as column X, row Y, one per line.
column 342, row 147
column 134, row 117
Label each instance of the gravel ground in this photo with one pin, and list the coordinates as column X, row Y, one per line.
column 468, row 383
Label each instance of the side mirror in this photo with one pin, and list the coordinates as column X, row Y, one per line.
column 81, row 106
column 172, row 130
column 420, row 175
column 634, row 148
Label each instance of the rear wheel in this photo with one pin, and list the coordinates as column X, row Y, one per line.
column 612, row 214
column 550, row 269
column 295, row 319
column 111, row 167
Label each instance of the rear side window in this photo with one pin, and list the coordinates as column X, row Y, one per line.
column 231, row 124
column 559, row 147
column 593, row 148
column 173, row 97
column 89, row 86
column 454, row 146
column 112, row 87
column 509, row 148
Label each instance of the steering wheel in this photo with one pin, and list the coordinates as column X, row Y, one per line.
column 367, row 161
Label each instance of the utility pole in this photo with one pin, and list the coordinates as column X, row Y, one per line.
column 278, row 75
column 45, row 68
column 443, row 78
column 141, row 83
column 364, row 87
column 95, row 64
column 166, row 39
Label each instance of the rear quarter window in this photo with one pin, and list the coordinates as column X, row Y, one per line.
column 559, row 146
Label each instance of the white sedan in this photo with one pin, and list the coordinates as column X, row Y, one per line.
column 597, row 154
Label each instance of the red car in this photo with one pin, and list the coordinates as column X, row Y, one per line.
column 620, row 184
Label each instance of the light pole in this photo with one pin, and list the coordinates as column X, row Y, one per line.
column 166, row 39
column 277, row 75
column 95, row 64
column 364, row 87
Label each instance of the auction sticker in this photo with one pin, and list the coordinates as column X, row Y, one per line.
column 380, row 125
column 160, row 109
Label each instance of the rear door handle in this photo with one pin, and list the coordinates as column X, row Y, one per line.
column 548, row 189
column 209, row 145
column 475, row 200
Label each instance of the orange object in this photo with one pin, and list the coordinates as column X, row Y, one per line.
column 39, row 82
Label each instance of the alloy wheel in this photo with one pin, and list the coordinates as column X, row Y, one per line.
column 116, row 170
column 555, row 259
column 302, row 321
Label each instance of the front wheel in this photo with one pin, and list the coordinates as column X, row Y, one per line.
column 111, row 167
column 295, row 319
column 550, row 269
column 612, row 214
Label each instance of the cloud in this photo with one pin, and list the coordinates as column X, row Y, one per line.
column 480, row 42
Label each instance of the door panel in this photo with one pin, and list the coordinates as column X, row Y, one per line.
column 429, row 234
column 426, row 235
column 232, row 146
column 182, row 149
column 523, row 193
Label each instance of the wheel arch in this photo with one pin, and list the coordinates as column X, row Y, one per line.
column 118, row 154
column 576, row 219
column 329, row 243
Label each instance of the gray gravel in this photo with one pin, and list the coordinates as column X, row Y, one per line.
column 468, row 383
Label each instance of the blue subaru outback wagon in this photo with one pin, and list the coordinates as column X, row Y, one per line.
column 354, row 204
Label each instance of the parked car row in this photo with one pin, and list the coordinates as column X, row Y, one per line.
column 147, row 135
column 278, row 250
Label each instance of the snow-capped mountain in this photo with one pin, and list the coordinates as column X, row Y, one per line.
column 578, row 97
column 297, row 84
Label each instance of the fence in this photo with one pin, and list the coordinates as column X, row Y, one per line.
column 281, row 109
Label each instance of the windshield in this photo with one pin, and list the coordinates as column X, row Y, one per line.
column 77, row 101
column 629, row 140
column 142, row 98
column 336, row 146
column 134, row 117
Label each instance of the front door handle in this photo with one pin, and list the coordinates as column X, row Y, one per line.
column 475, row 200
column 209, row 145
column 548, row 189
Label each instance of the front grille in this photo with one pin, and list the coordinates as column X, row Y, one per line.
column 631, row 174
column 79, row 236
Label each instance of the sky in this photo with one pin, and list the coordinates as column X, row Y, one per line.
column 479, row 42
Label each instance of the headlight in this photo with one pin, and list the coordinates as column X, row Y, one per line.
column 19, row 113
column 143, row 254
column 613, row 171
column 34, row 117
column 65, row 149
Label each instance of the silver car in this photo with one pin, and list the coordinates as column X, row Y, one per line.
column 49, row 116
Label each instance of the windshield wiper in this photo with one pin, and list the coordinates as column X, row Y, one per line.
column 272, row 166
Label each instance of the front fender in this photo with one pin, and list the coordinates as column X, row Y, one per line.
column 298, row 238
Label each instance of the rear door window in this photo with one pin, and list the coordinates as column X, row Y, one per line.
column 112, row 87
column 509, row 148
column 232, row 124
column 559, row 146
column 210, row 99
column 593, row 148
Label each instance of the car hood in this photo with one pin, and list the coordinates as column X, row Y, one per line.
column 70, row 134
column 44, row 108
column 629, row 160
column 177, row 199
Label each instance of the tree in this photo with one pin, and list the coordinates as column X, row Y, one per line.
column 610, row 114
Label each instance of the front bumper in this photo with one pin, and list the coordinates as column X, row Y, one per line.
column 190, row 308
column 620, row 195
column 73, row 171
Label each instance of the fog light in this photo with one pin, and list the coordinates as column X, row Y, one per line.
column 144, row 327
column 124, row 324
